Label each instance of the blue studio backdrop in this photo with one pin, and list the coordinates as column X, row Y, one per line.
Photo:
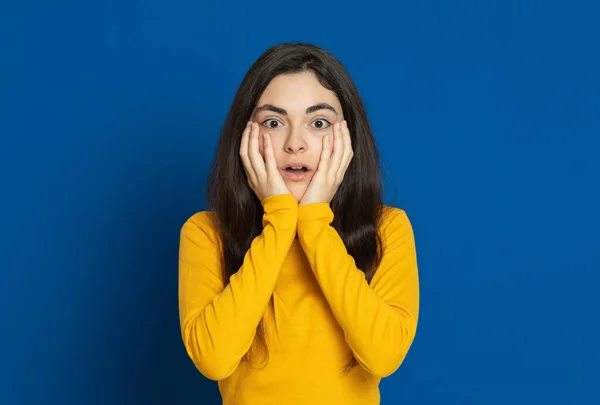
column 487, row 117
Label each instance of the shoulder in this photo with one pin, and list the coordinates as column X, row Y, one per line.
column 393, row 216
column 201, row 226
column 394, row 223
column 200, row 250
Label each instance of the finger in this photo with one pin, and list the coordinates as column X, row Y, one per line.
column 256, row 159
column 338, row 150
column 325, row 155
column 269, row 154
column 244, row 153
column 348, row 152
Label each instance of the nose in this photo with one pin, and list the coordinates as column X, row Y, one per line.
column 295, row 141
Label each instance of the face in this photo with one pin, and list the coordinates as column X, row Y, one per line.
column 297, row 111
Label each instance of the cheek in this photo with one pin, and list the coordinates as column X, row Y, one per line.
column 317, row 145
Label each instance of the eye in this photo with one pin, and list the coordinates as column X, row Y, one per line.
column 271, row 123
column 321, row 123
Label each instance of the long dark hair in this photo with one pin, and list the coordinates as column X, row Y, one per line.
column 358, row 202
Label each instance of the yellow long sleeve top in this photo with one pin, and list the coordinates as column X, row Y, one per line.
column 323, row 309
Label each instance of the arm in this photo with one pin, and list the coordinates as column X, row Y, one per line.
column 379, row 320
column 218, row 321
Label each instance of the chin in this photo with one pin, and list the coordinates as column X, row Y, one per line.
column 297, row 192
column 298, row 196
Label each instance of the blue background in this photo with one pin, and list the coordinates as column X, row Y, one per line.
column 487, row 116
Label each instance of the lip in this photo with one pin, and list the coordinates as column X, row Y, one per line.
column 295, row 176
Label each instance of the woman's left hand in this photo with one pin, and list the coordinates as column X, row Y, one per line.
column 335, row 159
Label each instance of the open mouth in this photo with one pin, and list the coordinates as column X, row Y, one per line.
column 296, row 169
column 296, row 172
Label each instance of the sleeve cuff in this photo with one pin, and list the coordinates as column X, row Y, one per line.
column 315, row 211
column 279, row 201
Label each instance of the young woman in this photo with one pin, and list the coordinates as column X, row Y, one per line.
column 298, row 286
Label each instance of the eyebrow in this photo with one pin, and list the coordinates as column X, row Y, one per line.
column 309, row 110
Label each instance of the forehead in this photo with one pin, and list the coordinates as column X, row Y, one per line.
column 295, row 92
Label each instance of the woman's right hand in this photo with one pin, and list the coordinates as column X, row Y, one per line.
column 263, row 176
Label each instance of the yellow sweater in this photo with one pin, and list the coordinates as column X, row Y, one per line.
column 323, row 309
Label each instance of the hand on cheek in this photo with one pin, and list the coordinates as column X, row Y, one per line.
column 334, row 161
column 261, row 168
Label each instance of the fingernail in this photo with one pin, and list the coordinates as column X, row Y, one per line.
column 337, row 125
column 248, row 124
column 345, row 124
